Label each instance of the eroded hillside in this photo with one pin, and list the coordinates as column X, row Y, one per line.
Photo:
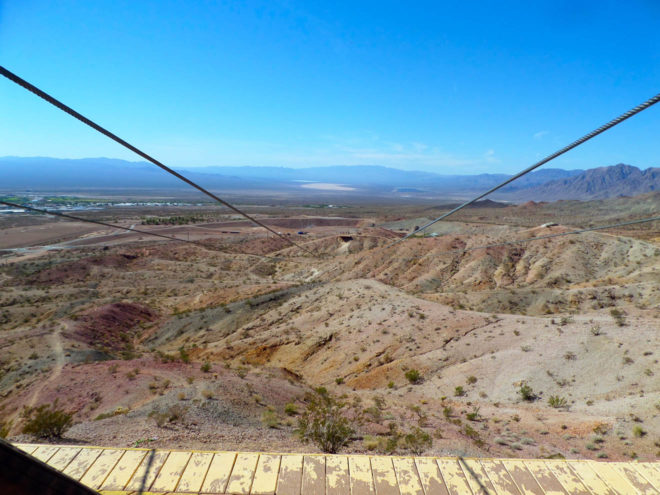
column 543, row 348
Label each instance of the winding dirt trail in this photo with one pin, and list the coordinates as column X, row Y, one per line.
column 55, row 340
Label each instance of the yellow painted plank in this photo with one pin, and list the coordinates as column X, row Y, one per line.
column 651, row 474
column 628, row 471
column 430, row 475
column 26, row 447
column 79, row 466
column 453, row 475
column 361, row 480
column 63, row 457
column 148, row 470
column 123, row 470
column 171, row 472
column 613, row 478
column 568, row 478
column 407, row 477
column 544, row 476
column 522, row 477
column 590, row 479
column 265, row 477
column 476, row 477
column 242, row 474
column 219, row 471
column 337, row 479
column 45, row 452
column 384, row 476
column 313, row 477
column 193, row 477
column 290, row 479
column 500, row 477
column 99, row 471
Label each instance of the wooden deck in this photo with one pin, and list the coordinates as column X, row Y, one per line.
column 126, row 471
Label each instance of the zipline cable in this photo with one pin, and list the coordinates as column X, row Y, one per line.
column 130, row 229
column 574, row 144
column 45, row 96
column 547, row 236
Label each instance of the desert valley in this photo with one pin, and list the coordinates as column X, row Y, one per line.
column 546, row 348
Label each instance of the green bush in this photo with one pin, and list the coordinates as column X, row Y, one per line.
column 206, row 367
column 4, row 429
column 459, row 392
column 638, row 431
column 290, row 409
column 413, row 376
column 324, row 421
column 269, row 418
column 46, row 421
column 417, row 441
column 557, row 402
column 183, row 354
column 526, row 392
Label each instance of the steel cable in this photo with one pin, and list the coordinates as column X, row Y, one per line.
column 45, row 96
column 130, row 229
column 574, row 144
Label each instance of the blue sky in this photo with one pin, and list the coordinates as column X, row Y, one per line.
column 450, row 87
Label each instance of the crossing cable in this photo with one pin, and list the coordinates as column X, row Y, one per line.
column 130, row 229
column 574, row 144
column 45, row 96
column 547, row 236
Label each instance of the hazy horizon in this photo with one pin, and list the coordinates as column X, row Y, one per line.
column 445, row 88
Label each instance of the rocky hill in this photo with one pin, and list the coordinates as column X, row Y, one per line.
column 598, row 183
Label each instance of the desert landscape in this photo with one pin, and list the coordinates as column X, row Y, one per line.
column 544, row 349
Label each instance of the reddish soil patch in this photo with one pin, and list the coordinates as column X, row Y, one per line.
column 113, row 326
column 78, row 271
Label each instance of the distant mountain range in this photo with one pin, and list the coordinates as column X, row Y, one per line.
column 51, row 174
column 598, row 183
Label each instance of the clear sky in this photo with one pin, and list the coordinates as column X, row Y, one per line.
column 450, row 87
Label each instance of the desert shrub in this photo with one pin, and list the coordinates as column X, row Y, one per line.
column 290, row 409
column 4, row 429
column 206, row 367
column 618, row 317
column 339, row 380
column 269, row 418
column 638, row 431
column 46, row 421
column 413, row 376
column 526, row 393
column 474, row 415
column 417, row 441
column 324, row 421
column 459, row 391
column 557, row 402
column 183, row 354
column 471, row 380
column 173, row 414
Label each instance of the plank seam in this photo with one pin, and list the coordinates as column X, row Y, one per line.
column 520, row 489
column 206, row 473
column 72, row 459
column 146, row 473
column 90, row 465
column 537, row 480
column 98, row 487
column 231, row 470
column 584, row 482
column 183, row 471
column 568, row 467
